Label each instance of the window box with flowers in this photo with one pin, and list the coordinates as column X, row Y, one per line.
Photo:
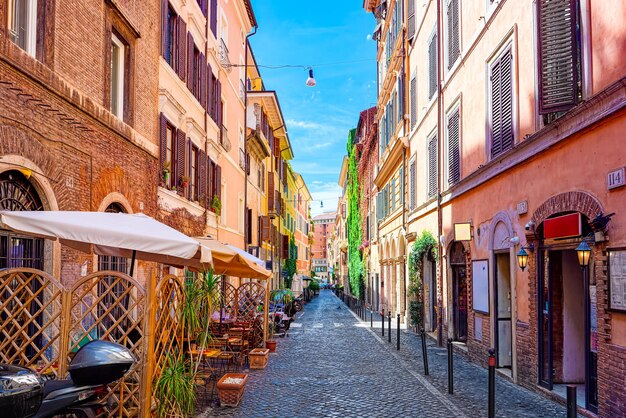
column 184, row 181
column 216, row 205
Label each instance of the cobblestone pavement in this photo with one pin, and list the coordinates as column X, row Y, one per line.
column 331, row 364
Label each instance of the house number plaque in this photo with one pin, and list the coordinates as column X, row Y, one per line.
column 616, row 178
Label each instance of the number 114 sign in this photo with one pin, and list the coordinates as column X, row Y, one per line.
column 616, row 178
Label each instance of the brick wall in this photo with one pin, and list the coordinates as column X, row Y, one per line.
column 52, row 116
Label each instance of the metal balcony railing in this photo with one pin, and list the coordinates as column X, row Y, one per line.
column 242, row 159
column 224, row 142
column 224, row 58
column 242, row 90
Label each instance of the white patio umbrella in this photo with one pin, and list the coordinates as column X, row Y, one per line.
column 247, row 255
column 114, row 234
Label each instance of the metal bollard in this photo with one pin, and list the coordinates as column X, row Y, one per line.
column 382, row 320
column 450, row 368
column 389, row 326
column 571, row 402
column 398, row 332
column 371, row 318
column 492, row 383
column 424, row 352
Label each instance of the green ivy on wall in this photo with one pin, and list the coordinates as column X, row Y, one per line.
column 291, row 264
column 356, row 270
column 425, row 244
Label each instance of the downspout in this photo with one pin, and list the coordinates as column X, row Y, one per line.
column 407, row 131
column 245, row 139
column 439, row 185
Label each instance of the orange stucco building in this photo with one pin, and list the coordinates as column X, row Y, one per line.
column 512, row 117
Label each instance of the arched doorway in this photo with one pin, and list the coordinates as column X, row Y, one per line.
column 18, row 194
column 567, row 314
column 18, row 251
column 458, row 272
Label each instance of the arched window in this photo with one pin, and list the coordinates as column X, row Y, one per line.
column 18, row 194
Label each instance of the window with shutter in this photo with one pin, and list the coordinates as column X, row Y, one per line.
column 270, row 193
column 454, row 149
column 193, row 173
column 191, row 63
column 202, row 93
column 413, row 99
column 412, row 185
column 401, row 185
column 181, row 49
column 210, row 176
column 432, row 167
column 202, row 177
column 559, row 55
column 213, row 17
column 218, row 184
column 168, row 28
column 501, row 101
column 432, row 66
column 411, row 19
column 163, row 147
column 180, row 161
column 454, row 32
column 210, row 82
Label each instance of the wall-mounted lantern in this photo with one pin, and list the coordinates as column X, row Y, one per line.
column 584, row 252
column 522, row 256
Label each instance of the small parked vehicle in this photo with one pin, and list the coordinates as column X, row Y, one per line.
column 25, row 393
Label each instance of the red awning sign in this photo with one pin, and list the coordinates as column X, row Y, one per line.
column 565, row 226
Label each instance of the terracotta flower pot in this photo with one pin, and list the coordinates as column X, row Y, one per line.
column 258, row 358
column 230, row 392
column 271, row 345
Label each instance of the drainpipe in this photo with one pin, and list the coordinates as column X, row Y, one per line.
column 439, row 172
column 245, row 139
column 407, row 132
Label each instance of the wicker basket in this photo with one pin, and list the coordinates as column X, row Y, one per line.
column 231, row 393
column 258, row 358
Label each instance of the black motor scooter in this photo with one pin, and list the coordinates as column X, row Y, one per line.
column 24, row 393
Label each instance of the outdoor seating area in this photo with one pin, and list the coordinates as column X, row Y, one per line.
column 166, row 321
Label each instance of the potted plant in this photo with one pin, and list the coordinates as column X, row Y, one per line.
column 184, row 181
column 230, row 388
column 167, row 165
column 216, row 205
column 258, row 357
column 270, row 344
column 175, row 389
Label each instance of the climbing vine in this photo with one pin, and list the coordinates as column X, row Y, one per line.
column 356, row 269
column 291, row 264
column 425, row 244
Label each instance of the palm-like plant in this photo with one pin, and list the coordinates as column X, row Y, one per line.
column 175, row 388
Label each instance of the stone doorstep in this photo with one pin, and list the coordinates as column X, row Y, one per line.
column 461, row 348
column 554, row 397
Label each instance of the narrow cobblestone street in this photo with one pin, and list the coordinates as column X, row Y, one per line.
column 331, row 364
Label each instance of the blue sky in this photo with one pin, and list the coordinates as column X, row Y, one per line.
column 332, row 37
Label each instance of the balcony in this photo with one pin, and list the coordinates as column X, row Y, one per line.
column 242, row 90
column 242, row 159
column 224, row 142
column 224, row 58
